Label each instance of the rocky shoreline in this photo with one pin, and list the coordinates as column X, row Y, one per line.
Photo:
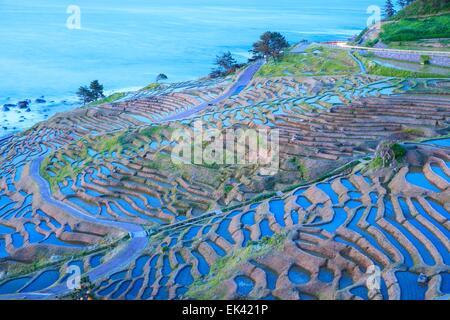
column 21, row 114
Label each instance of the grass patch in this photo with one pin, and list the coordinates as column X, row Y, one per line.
column 416, row 29
column 425, row 44
column 376, row 163
column 110, row 144
column 107, row 144
column 399, row 151
column 379, row 70
column 413, row 132
column 152, row 86
column 424, row 7
column 228, row 188
column 301, row 167
column 110, row 99
column 224, row 268
column 156, row 132
column 67, row 170
column 396, row 154
column 318, row 60
column 42, row 261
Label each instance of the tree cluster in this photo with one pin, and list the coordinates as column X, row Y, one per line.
column 92, row 93
column 85, row 292
column 270, row 44
column 389, row 9
column 225, row 65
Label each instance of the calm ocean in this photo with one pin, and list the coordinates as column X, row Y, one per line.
column 125, row 44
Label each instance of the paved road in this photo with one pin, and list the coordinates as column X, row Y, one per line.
column 126, row 255
column 301, row 47
column 424, row 52
column 243, row 80
column 46, row 195
column 139, row 239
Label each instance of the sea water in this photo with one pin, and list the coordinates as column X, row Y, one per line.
column 125, row 44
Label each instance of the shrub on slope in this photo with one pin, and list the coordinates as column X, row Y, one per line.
column 416, row 29
column 424, row 7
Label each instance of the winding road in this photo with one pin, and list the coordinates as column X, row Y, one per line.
column 138, row 236
column 244, row 79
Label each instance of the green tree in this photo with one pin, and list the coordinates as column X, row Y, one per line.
column 85, row 95
column 96, row 90
column 425, row 59
column 85, row 292
column 270, row 44
column 389, row 10
column 225, row 64
column 161, row 77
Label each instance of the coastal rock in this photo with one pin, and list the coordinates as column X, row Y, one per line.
column 40, row 100
column 28, row 110
column 23, row 104
column 5, row 108
column 9, row 105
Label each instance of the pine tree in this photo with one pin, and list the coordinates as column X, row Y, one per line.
column 389, row 9
column 85, row 95
column 225, row 64
column 161, row 77
column 270, row 44
column 96, row 90
column 91, row 93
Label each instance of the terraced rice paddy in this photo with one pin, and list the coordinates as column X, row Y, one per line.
column 327, row 249
column 114, row 205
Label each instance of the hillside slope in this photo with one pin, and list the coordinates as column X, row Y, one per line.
column 424, row 7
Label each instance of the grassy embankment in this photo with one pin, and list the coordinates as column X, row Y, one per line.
column 424, row 7
column 415, row 29
column 422, row 25
column 105, row 145
column 411, row 29
column 380, row 70
column 109, row 99
column 317, row 61
column 56, row 172
column 119, row 95
column 211, row 286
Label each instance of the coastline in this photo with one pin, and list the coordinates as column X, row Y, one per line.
column 17, row 120
column 70, row 101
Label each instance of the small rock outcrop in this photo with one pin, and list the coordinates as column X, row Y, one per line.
column 23, row 104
